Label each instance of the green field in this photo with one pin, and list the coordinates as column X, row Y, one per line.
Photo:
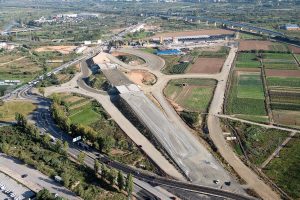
column 279, row 61
column 247, row 60
column 85, row 116
column 258, row 142
column 179, row 68
column 8, row 110
column 285, row 170
column 246, row 95
column 283, row 81
column 194, row 96
column 298, row 57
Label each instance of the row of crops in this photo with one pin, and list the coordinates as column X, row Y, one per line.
column 280, row 61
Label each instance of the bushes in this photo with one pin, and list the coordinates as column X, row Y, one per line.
column 191, row 118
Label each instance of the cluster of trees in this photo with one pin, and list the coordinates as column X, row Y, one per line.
column 115, row 177
column 101, row 141
column 44, row 194
column 25, row 142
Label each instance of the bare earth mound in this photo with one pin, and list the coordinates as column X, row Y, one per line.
column 61, row 49
column 141, row 77
column 207, row 65
column 284, row 73
column 247, row 45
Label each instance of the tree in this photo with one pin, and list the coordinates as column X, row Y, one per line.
column 42, row 90
column 66, row 146
column 112, row 176
column 44, row 194
column 104, row 171
column 81, row 157
column 120, row 180
column 21, row 120
column 129, row 185
column 96, row 166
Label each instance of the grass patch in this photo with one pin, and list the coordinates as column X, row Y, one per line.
column 285, row 171
column 192, row 94
column 85, row 116
column 247, row 60
column 8, row 110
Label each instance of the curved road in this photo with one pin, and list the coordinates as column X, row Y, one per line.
column 252, row 179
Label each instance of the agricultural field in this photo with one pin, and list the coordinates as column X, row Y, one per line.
column 9, row 109
column 247, row 60
column 246, row 95
column 282, row 61
column 248, row 45
column 284, row 170
column 191, row 94
column 258, row 142
column 18, row 66
column 285, row 99
column 207, row 65
column 199, row 60
column 89, row 115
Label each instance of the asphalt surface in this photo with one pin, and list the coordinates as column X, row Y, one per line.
column 36, row 177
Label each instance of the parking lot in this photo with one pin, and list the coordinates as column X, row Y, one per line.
column 10, row 189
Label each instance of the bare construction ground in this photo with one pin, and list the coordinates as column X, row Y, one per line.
column 61, row 49
column 196, row 162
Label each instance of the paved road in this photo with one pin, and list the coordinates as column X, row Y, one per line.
column 37, row 178
column 216, row 134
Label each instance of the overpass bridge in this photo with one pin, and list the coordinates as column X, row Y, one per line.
column 228, row 23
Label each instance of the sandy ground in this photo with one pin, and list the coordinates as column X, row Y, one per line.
column 141, row 77
column 284, row 73
column 246, row 45
column 116, row 54
column 61, row 49
column 193, row 33
column 207, row 65
column 101, row 58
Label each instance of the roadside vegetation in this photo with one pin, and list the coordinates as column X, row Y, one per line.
column 81, row 116
column 25, row 143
